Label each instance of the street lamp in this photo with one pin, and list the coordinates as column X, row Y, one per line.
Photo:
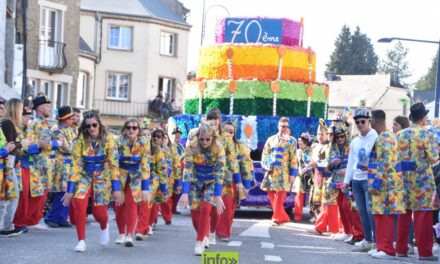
column 437, row 80
column 204, row 18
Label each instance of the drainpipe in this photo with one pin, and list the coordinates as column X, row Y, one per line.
column 24, row 8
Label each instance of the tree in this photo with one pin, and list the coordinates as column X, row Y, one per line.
column 396, row 62
column 427, row 82
column 353, row 54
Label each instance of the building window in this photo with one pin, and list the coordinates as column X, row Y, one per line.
column 166, row 88
column 81, row 91
column 51, row 21
column 118, row 85
column 120, row 37
column 168, row 44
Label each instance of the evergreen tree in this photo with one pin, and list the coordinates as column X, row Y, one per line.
column 396, row 62
column 427, row 82
column 353, row 54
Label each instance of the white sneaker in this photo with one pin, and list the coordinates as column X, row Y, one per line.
column 120, row 239
column 212, row 239
column 205, row 242
column 105, row 236
column 81, row 246
column 341, row 237
column 382, row 255
column 140, row 237
column 435, row 248
column 129, row 241
column 198, row 249
column 372, row 252
column 348, row 239
column 363, row 247
column 39, row 227
column 410, row 250
column 360, row 243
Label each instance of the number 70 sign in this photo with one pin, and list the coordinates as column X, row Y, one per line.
column 248, row 30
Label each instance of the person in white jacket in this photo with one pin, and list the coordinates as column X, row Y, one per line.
column 357, row 175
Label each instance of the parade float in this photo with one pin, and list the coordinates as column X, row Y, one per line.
column 256, row 72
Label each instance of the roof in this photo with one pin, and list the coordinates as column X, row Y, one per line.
column 351, row 89
column 83, row 47
column 426, row 96
column 142, row 8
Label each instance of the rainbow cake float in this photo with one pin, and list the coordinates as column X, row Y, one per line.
column 257, row 67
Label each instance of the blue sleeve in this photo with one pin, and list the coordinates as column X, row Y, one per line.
column 145, row 185
column 116, row 185
column 237, row 177
column 3, row 153
column 178, row 183
column 71, row 187
column 377, row 183
column 218, row 189
column 247, row 184
column 33, row 149
column 185, row 188
column 293, row 172
column 54, row 144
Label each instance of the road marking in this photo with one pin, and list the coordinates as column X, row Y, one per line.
column 267, row 245
column 272, row 258
column 260, row 229
column 235, row 243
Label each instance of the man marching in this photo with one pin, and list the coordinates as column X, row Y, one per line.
column 280, row 165
column 385, row 185
column 418, row 151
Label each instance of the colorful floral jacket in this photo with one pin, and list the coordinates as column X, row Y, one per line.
column 42, row 161
column 319, row 155
column 63, row 165
column 283, row 161
column 134, row 164
column 232, row 170
column 95, row 165
column 303, row 158
column 418, row 151
column 203, row 173
column 385, row 179
column 159, row 166
column 7, row 188
column 335, row 182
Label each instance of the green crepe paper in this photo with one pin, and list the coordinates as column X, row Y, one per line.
column 257, row 106
column 248, row 89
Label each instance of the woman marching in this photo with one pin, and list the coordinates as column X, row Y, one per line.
column 230, row 195
column 134, row 171
column 96, row 174
column 202, row 181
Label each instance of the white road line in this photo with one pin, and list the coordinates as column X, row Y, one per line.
column 235, row 244
column 260, row 229
column 267, row 245
column 272, row 258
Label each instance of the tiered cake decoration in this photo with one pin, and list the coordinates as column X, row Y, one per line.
column 257, row 67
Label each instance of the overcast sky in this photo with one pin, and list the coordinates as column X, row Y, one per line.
column 323, row 20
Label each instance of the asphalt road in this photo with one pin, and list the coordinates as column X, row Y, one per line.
column 253, row 237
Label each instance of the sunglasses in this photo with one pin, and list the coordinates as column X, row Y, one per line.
column 134, row 128
column 205, row 139
column 340, row 137
column 94, row 125
column 157, row 136
column 284, row 126
column 361, row 122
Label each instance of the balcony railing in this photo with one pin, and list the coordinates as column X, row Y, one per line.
column 51, row 56
column 121, row 109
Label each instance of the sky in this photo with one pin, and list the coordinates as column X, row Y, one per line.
column 323, row 21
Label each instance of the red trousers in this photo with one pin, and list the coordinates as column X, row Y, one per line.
column 35, row 209
column 277, row 199
column 80, row 207
column 175, row 198
column 350, row 219
column 167, row 210
column 201, row 220
column 214, row 220
column 299, row 204
column 143, row 218
column 224, row 225
column 22, row 213
column 126, row 214
column 422, row 230
column 329, row 216
column 154, row 211
column 385, row 233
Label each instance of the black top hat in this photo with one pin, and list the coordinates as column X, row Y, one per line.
column 176, row 130
column 27, row 110
column 39, row 100
column 65, row 112
column 418, row 111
